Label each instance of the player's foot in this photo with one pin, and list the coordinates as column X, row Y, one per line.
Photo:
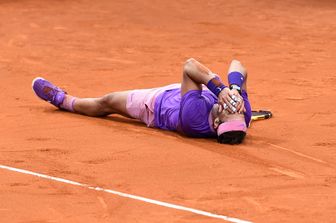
column 48, row 92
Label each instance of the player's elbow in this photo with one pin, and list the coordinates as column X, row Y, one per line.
column 189, row 64
column 189, row 61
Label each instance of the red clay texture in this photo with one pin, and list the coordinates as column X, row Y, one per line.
column 285, row 171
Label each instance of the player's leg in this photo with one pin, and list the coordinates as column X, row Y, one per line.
column 108, row 104
column 112, row 103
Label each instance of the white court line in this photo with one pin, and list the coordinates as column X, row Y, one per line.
column 297, row 153
column 121, row 194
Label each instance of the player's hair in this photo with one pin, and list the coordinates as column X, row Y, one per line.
column 232, row 137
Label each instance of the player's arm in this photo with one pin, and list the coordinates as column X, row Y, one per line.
column 237, row 77
column 195, row 74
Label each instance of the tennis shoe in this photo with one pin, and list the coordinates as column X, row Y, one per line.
column 48, row 92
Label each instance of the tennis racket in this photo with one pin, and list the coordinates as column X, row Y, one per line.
column 260, row 115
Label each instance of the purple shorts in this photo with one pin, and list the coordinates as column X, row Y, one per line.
column 140, row 103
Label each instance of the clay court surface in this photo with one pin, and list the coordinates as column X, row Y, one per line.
column 285, row 171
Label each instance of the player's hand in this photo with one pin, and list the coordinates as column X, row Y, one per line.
column 239, row 101
column 226, row 102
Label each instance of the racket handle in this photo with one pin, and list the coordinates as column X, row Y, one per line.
column 259, row 117
column 266, row 115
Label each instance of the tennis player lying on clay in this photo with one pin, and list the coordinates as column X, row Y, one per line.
column 202, row 106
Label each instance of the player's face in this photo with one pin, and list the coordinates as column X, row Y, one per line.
column 221, row 115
